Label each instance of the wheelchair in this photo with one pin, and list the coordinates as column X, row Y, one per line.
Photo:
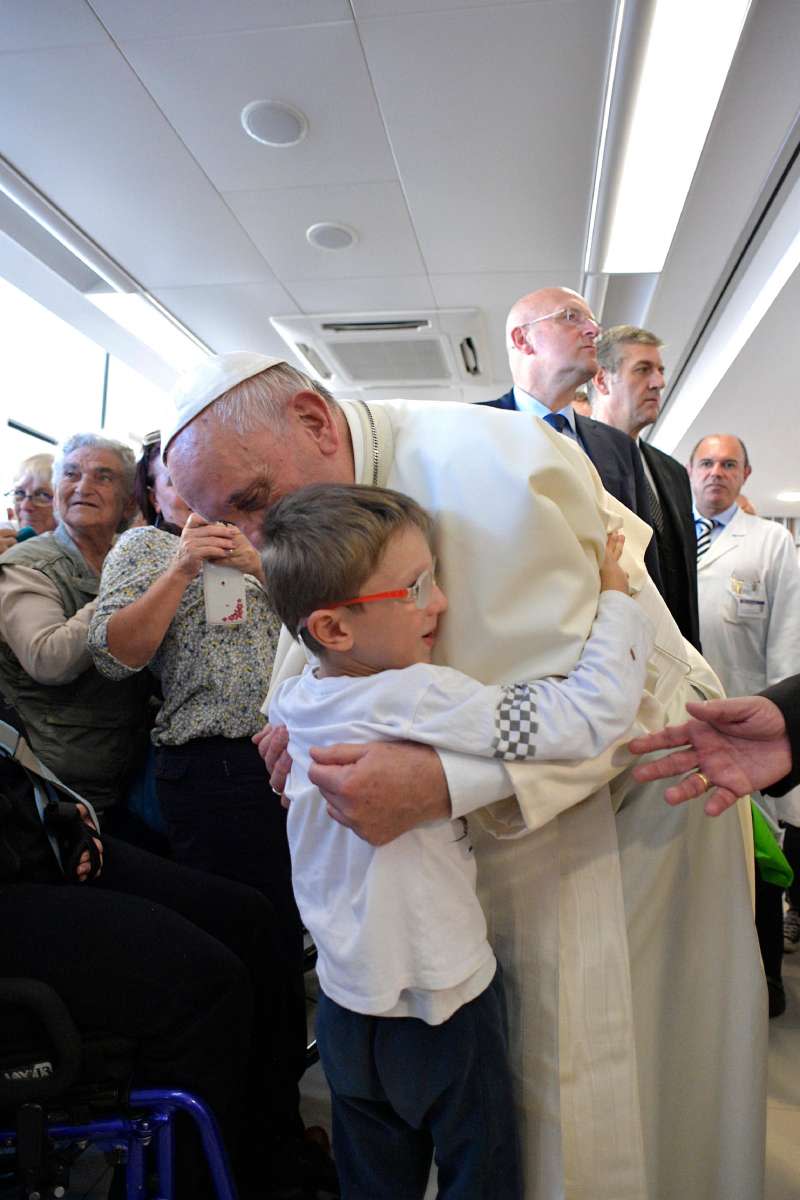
column 61, row 1092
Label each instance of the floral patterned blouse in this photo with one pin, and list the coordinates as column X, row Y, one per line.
column 213, row 677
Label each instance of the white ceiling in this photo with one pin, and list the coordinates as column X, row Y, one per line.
column 457, row 138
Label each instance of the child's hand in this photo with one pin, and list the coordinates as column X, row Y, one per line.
column 612, row 576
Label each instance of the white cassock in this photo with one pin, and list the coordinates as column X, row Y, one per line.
column 748, row 584
column 636, row 997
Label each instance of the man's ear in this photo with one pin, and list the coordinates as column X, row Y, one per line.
column 519, row 341
column 748, row 471
column 332, row 628
column 316, row 417
column 600, row 381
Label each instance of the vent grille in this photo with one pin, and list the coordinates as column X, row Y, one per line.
column 429, row 349
column 414, row 359
column 374, row 326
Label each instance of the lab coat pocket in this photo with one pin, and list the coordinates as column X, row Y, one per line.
column 745, row 601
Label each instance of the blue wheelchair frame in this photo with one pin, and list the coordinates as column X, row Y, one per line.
column 148, row 1141
column 58, row 1109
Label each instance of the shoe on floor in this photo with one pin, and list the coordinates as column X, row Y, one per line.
column 791, row 930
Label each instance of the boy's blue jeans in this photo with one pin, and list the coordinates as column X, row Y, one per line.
column 403, row 1090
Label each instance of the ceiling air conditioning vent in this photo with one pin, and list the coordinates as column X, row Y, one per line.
column 446, row 348
column 372, row 326
column 414, row 360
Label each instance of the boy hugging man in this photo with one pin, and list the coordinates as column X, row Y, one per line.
column 411, row 1025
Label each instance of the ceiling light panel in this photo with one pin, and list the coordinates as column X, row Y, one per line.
column 689, row 52
column 774, row 266
column 139, row 317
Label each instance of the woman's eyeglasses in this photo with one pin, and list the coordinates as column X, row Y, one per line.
column 40, row 497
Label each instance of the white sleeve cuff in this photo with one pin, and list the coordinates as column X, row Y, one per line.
column 474, row 782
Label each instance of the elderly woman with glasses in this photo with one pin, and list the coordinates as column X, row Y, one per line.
column 89, row 731
column 32, row 497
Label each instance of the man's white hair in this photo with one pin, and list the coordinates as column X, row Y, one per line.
column 261, row 399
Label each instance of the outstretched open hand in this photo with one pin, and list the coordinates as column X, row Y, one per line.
column 740, row 745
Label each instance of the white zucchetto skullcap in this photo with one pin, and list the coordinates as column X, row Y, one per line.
column 196, row 389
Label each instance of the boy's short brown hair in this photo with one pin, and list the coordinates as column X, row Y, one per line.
column 324, row 541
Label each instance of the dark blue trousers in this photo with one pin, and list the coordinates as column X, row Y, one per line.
column 222, row 817
column 403, row 1091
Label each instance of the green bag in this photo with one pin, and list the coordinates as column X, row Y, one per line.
column 770, row 860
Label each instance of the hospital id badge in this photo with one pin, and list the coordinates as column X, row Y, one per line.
column 224, row 592
column 750, row 598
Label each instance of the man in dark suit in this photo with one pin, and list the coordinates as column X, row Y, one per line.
column 626, row 394
column 550, row 337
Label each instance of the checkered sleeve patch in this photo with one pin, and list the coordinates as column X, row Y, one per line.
column 515, row 723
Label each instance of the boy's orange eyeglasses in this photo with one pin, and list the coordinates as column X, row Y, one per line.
column 420, row 592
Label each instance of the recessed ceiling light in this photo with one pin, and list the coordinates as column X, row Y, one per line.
column 273, row 123
column 789, row 497
column 330, row 235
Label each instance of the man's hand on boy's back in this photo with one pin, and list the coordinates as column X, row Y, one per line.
column 379, row 790
column 382, row 789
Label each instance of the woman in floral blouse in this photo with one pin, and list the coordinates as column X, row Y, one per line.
column 220, row 813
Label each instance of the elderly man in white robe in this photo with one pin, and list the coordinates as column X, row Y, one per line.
column 624, row 925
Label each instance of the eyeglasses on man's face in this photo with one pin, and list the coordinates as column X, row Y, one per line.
column 573, row 318
column 40, row 497
column 420, row 592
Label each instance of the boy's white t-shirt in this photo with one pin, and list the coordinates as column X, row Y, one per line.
column 398, row 928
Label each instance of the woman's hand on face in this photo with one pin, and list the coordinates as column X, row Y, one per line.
column 201, row 542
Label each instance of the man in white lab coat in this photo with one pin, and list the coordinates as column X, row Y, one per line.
column 624, row 926
column 747, row 573
column 749, row 600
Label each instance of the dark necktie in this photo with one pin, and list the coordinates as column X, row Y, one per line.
column 704, row 525
column 656, row 511
column 557, row 420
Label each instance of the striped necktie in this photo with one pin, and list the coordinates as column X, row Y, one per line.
column 704, row 525
column 557, row 420
column 656, row 511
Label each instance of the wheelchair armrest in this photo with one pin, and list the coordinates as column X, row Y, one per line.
column 64, row 1043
